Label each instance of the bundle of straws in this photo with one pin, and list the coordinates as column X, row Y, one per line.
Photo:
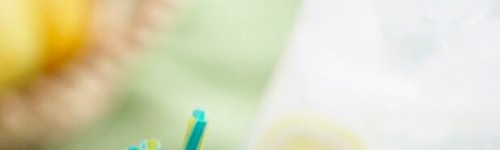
column 193, row 139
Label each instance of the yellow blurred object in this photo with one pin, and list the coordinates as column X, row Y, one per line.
column 20, row 46
column 308, row 131
column 40, row 36
column 66, row 25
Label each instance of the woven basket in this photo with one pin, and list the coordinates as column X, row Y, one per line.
column 56, row 105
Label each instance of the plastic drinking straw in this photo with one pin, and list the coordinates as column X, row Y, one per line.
column 133, row 148
column 195, row 130
column 150, row 144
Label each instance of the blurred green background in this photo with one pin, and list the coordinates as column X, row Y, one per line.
column 218, row 56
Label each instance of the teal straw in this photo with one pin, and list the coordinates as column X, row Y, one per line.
column 194, row 141
column 133, row 148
